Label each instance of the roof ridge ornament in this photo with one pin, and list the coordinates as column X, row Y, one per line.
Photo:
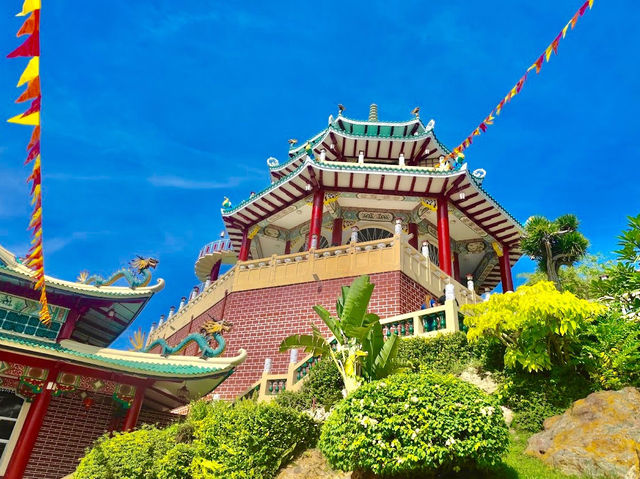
column 272, row 162
column 373, row 112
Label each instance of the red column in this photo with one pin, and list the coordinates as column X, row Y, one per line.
column 30, row 430
column 336, row 234
column 287, row 247
column 413, row 230
column 69, row 325
column 456, row 267
column 444, row 242
column 132, row 414
column 244, row 248
column 315, row 228
column 215, row 271
column 505, row 269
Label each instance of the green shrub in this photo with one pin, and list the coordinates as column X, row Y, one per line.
column 125, row 455
column 176, row 463
column 415, row 423
column 611, row 352
column 324, row 384
column 298, row 400
column 249, row 440
column 443, row 353
column 536, row 396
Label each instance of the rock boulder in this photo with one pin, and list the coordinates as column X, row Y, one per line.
column 597, row 436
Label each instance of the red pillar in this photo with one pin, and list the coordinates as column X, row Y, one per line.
column 444, row 242
column 505, row 269
column 244, row 248
column 132, row 414
column 315, row 228
column 413, row 230
column 336, row 234
column 69, row 325
column 456, row 267
column 30, row 430
column 287, row 247
column 215, row 271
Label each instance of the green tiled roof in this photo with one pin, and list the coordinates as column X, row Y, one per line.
column 141, row 366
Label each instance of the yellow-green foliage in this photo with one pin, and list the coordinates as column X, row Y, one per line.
column 537, row 324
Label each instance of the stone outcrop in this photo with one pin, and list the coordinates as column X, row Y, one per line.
column 598, row 436
column 485, row 381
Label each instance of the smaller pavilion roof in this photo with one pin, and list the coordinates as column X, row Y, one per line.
column 105, row 311
column 199, row 375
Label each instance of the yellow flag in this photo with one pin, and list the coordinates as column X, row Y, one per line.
column 33, row 119
column 590, row 3
column 29, row 6
column 548, row 52
column 32, row 71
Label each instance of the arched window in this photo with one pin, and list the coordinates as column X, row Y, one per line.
column 10, row 406
column 323, row 243
column 372, row 234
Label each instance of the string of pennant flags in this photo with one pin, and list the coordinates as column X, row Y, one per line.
column 457, row 152
column 30, row 48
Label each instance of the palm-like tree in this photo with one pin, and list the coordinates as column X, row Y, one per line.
column 360, row 351
column 553, row 244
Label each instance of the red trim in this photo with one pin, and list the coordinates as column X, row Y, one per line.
column 287, row 247
column 413, row 230
column 30, row 429
column 456, row 267
column 215, row 271
column 244, row 248
column 315, row 227
column 444, row 241
column 134, row 410
column 505, row 269
column 336, row 234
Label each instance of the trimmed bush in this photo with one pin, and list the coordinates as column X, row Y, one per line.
column 249, row 440
column 443, row 353
column 125, row 455
column 415, row 423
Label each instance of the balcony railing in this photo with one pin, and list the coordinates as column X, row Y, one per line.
column 216, row 247
column 354, row 259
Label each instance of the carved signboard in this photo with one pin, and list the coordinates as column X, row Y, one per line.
column 375, row 216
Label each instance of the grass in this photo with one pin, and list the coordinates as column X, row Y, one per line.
column 518, row 465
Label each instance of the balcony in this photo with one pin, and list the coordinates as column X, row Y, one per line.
column 354, row 259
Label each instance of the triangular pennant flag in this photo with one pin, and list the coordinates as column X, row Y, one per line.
column 583, row 8
column 548, row 52
column 30, row 47
column 590, row 4
column 574, row 20
column 32, row 91
column 35, row 137
column 35, row 107
column 539, row 63
column 32, row 119
column 30, row 25
column 483, row 126
column 33, row 153
column 29, row 6
column 32, row 71
column 564, row 30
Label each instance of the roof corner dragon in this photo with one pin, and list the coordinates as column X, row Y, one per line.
column 138, row 274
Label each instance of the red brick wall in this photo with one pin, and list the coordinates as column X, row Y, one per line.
column 68, row 429
column 263, row 318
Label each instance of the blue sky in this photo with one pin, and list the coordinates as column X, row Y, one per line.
column 154, row 110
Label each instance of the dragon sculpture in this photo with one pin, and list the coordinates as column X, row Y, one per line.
column 138, row 275
column 210, row 332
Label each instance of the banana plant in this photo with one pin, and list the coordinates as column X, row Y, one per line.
column 359, row 350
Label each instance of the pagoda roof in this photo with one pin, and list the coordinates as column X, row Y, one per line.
column 420, row 182
column 104, row 312
column 199, row 375
column 344, row 138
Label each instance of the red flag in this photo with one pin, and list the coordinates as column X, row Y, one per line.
column 483, row 127
column 30, row 48
column 35, row 137
column 583, row 8
column 32, row 91
column 31, row 24
column 33, row 152
column 35, row 107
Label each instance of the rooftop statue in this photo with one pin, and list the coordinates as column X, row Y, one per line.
column 137, row 275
